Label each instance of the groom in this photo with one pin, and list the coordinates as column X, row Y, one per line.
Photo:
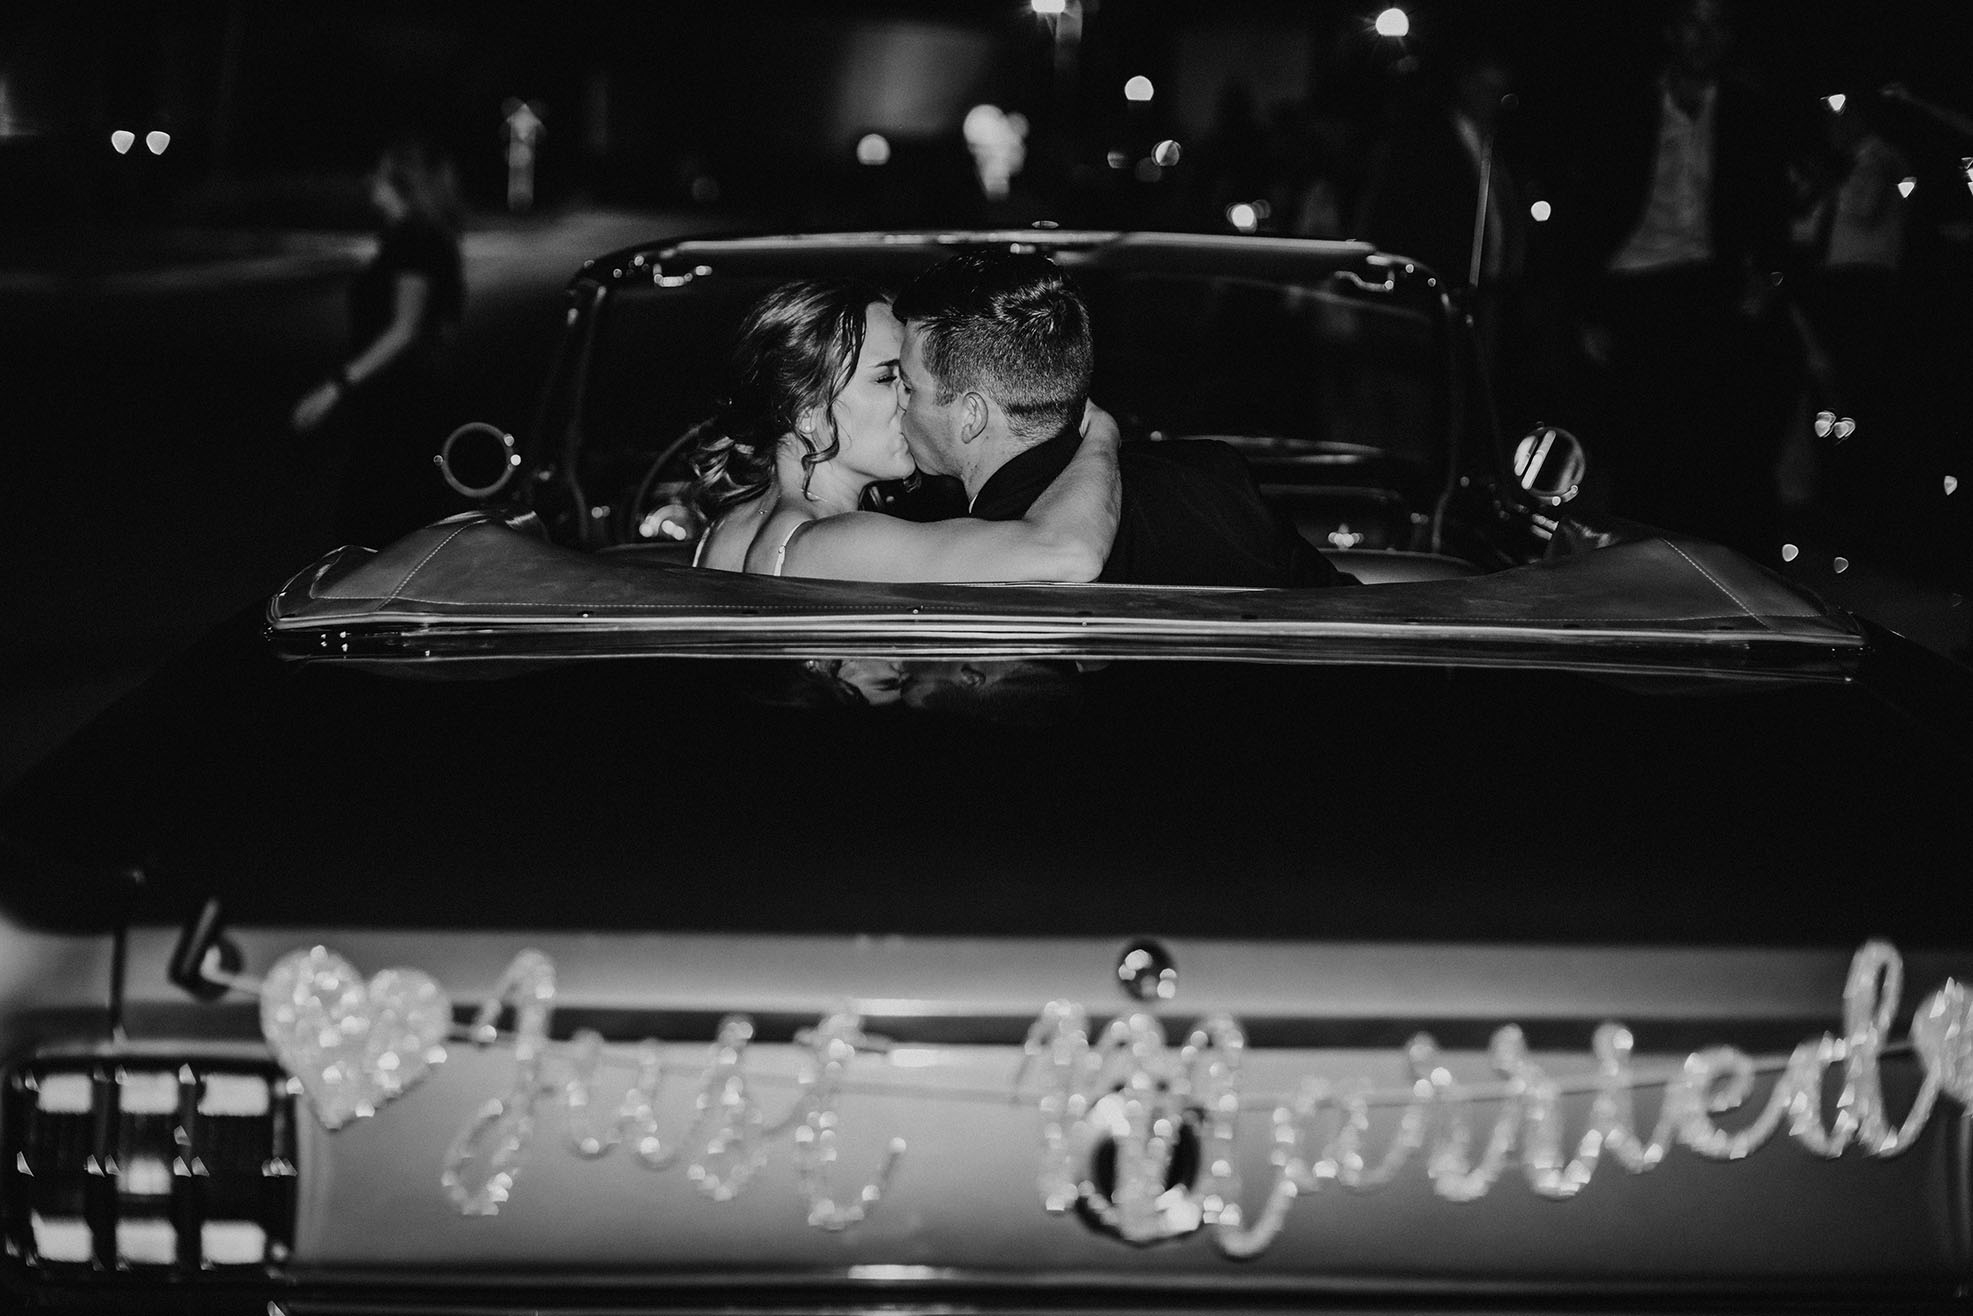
column 995, row 368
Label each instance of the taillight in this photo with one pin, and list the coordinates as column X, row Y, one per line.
column 142, row 1164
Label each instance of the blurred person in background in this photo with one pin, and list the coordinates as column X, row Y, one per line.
column 1423, row 191
column 1314, row 181
column 387, row 399
column 1682, row 232
column 1847, row 307
column 1231, row 161
column 1422, row 199
column 1932, row 534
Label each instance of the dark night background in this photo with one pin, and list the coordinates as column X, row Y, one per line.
column 160, row 313
column 267, row 104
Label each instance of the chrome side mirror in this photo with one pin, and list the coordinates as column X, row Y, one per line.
column 1549, row 464
column 478, row 459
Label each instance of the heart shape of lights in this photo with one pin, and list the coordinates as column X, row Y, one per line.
column 1942, row 1033
column 1828, row 424
column 351, row 1044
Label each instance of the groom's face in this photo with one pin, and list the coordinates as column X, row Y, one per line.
column 930, row 430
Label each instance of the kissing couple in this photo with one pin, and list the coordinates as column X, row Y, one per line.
column 978, row 371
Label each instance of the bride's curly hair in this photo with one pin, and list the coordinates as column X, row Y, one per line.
column 796, row 350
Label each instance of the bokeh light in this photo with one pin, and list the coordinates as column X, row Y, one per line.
column 1541, row 211
column 122, row 140
column 1906, row 186
column 1049, row 8
column 1243, row 216
column 1836, row 102
column 1393, row 22
column 873, row 149
column 1167, row 153
column 1138, row 89
column 998, row 143
column 156, row 141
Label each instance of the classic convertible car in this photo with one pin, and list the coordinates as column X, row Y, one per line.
column 517, row 918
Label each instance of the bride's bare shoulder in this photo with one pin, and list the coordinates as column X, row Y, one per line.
column 730, row 539
column 768, row 554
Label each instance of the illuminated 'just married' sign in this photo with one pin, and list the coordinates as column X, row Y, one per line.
column 352, row 1045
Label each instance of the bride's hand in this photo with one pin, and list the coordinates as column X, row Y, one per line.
column 1099, row 424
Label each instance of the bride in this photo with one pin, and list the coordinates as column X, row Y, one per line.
column 814, row 417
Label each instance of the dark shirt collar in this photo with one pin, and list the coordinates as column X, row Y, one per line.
column 1011, row 490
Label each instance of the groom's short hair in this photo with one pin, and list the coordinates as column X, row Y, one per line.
column 1013, row 326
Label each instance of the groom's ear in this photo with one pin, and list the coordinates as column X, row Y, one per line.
column 973, row 416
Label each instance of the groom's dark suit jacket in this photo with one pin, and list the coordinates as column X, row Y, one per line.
column 1192, row 515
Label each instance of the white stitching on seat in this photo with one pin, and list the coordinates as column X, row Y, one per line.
column 1715, row 582
column 565, row 605
column 854, row 609
column 406, row 580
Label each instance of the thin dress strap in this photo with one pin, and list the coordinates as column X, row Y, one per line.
column 781, row 553
column 699, row 550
